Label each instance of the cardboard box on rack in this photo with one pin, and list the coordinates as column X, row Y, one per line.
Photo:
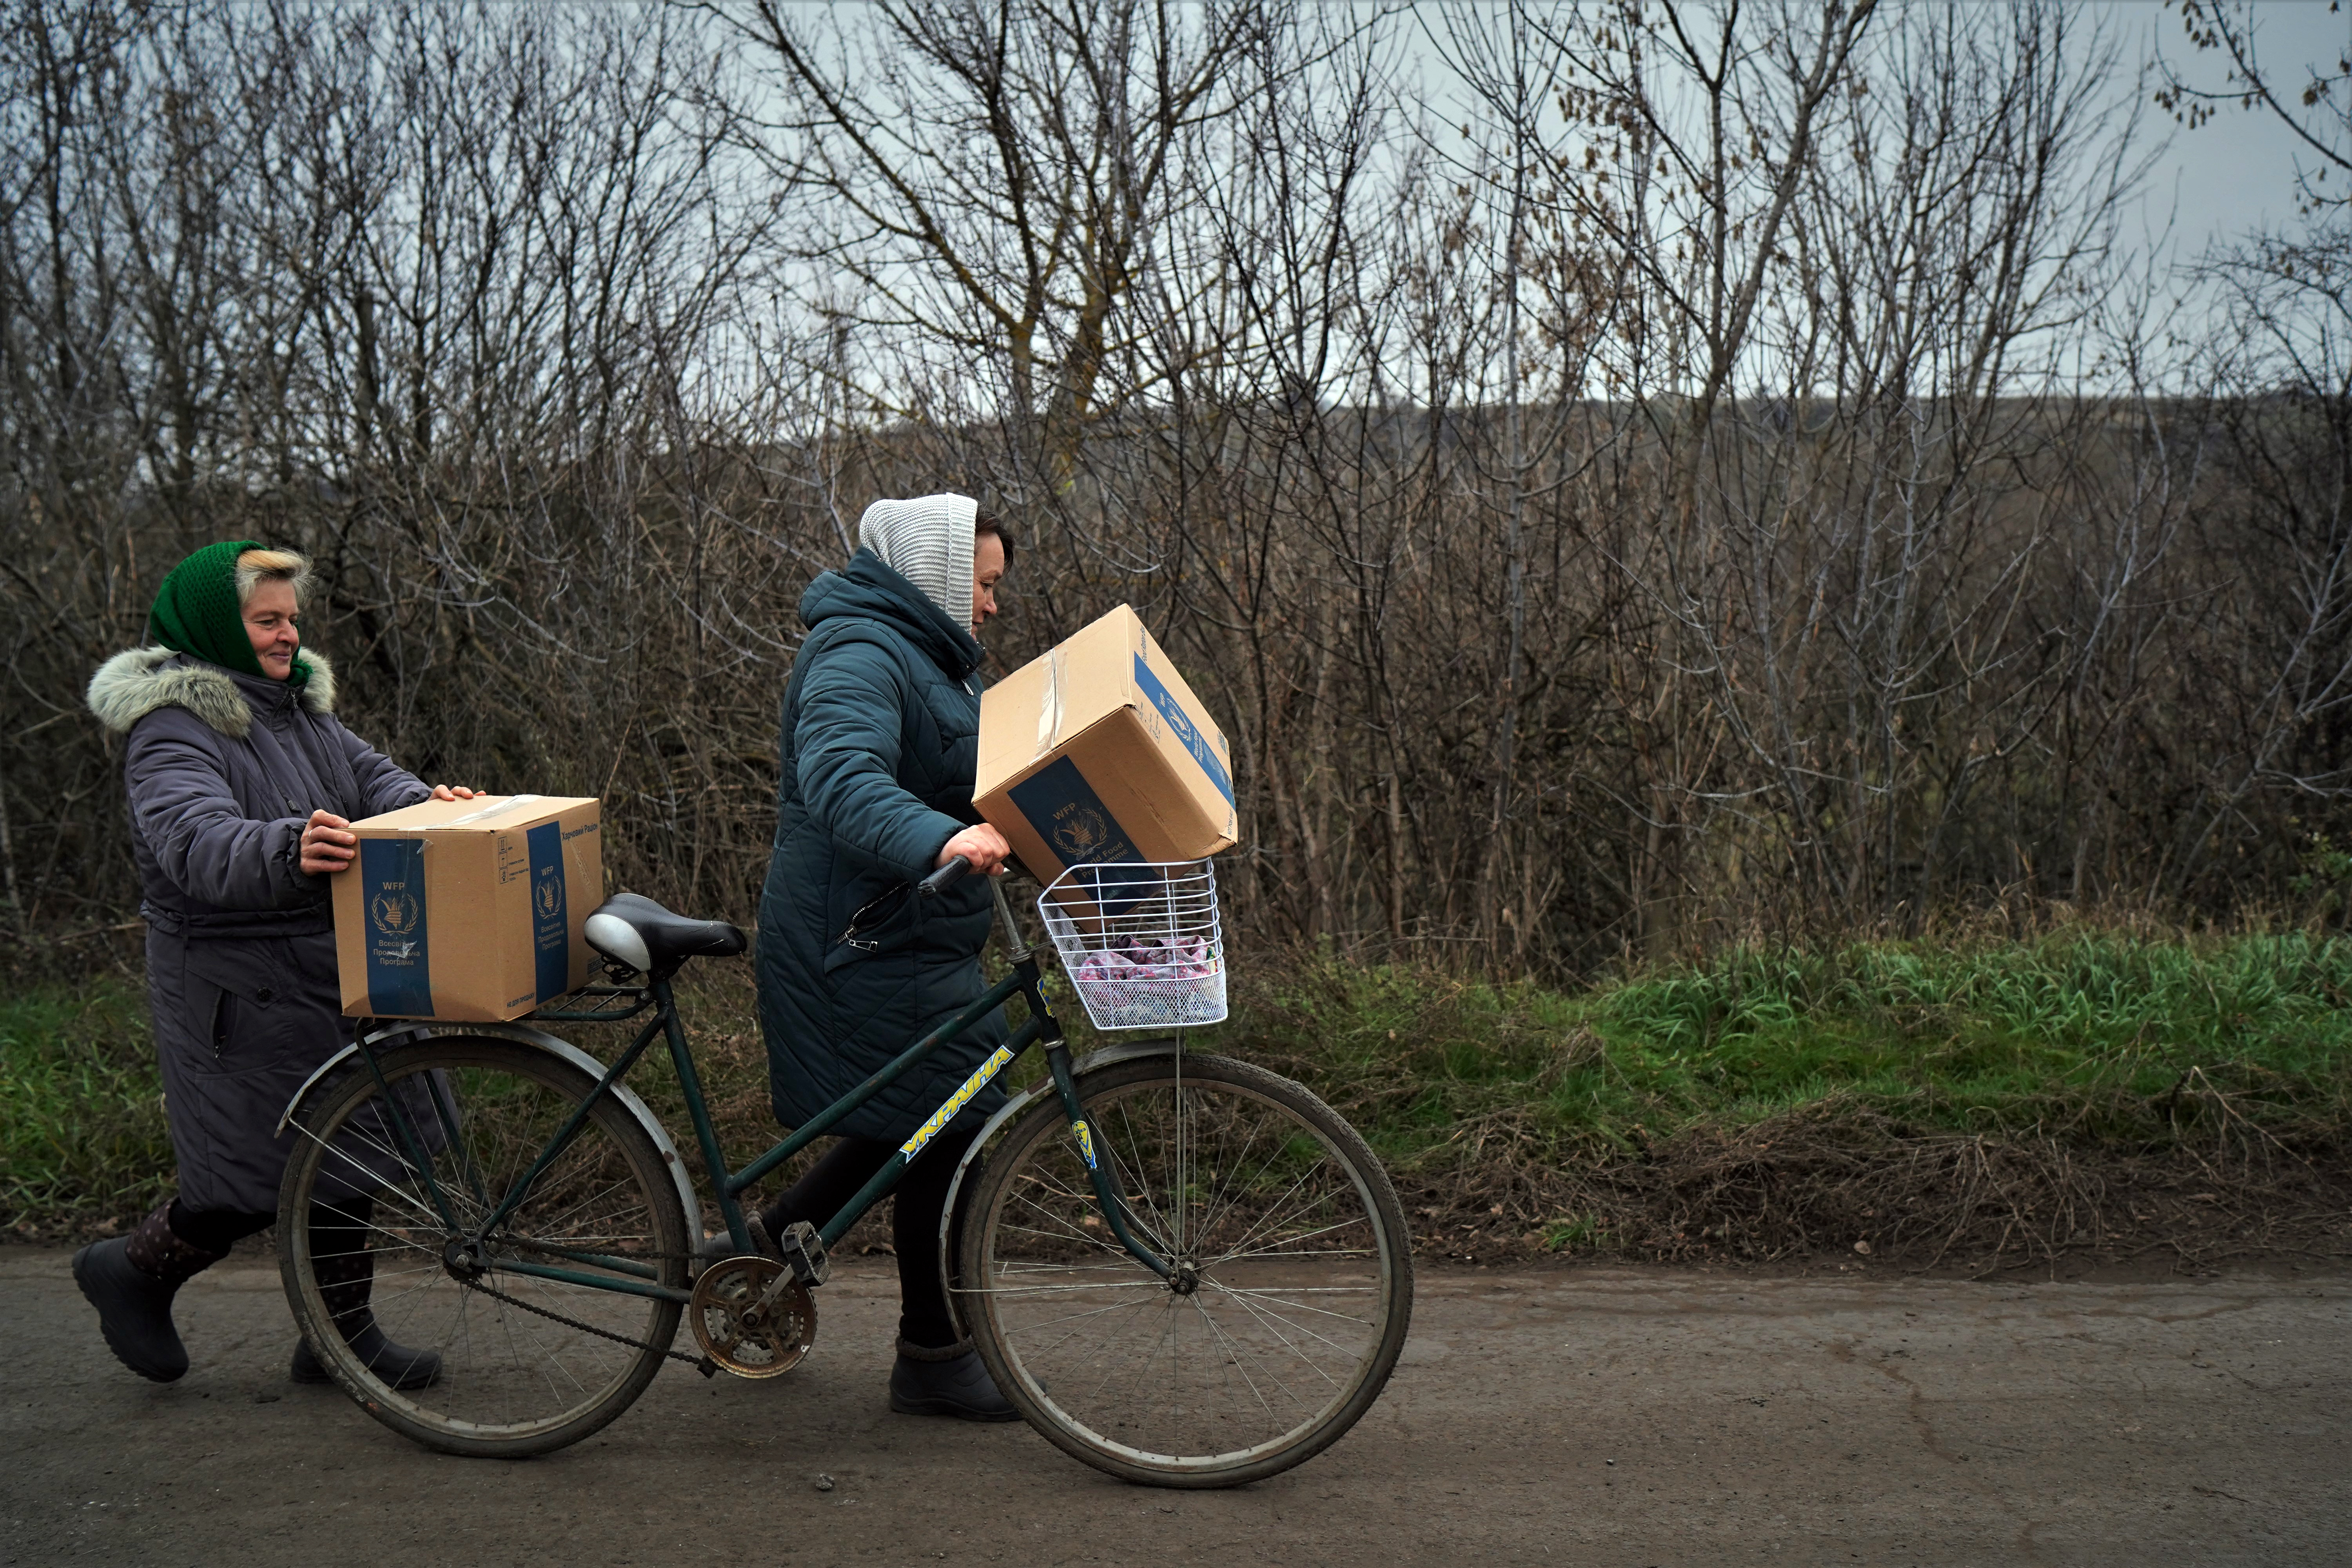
column 1098, row 753
column 469, row 910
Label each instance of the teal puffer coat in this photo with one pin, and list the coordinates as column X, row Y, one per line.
column 881, row 736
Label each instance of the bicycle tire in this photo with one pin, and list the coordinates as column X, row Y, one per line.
column 1051, row 1300
column 513, row 1382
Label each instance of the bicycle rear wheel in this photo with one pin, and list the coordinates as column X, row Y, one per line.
column 1293, row 1295
column 528, row 1365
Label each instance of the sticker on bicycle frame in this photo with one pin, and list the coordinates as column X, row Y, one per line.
column 1085, row 1141
column 956, row 1101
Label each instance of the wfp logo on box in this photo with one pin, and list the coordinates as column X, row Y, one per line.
column 393, row 916
column 399, row 978
column 1180, row 725
column 1080, row 832
column 1070, row 817
column 549, row 919
column 1181, row 722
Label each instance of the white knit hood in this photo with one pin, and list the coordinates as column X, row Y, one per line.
column 927, row 541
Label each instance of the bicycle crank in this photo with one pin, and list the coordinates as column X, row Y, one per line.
column 740, row 1329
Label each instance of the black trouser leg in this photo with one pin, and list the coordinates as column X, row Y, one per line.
column 214, row 1230
column 923, row 1315
column 339, row 1247
column 921, row 1196
column 340, row 1261
column 345, row 1268
column 832, row 1182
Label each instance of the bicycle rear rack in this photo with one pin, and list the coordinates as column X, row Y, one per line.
column 596, row 1004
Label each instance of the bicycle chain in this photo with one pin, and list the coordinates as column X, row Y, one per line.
column 701, row 1363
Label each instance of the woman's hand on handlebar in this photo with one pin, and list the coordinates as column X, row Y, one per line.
column 982, row 846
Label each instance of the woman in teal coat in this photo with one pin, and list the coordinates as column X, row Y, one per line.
column 880, row 741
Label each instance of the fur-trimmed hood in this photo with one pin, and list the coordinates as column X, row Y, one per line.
column 134, row 683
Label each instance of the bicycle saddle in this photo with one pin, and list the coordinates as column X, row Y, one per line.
column 640, row 932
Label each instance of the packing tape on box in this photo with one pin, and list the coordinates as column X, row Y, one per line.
column 509, row 804
column 1049, row 714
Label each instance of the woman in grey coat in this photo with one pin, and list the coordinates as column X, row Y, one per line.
column 242, row 784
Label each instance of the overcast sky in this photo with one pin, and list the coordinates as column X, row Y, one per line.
column 2235, row 173
column 2227, row 178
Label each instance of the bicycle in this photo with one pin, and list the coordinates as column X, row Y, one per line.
column 1181, row 1268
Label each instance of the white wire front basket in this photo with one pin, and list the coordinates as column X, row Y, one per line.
column 1141, row 943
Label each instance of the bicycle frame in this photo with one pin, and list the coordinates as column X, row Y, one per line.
column 639, row 1279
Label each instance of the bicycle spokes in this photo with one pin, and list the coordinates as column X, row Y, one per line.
column 1282, row 1294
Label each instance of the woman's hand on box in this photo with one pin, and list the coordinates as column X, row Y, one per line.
column 327, row 847
column 982, row 845
column 452, row 791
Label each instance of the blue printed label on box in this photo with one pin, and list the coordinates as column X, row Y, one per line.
column 1070, row 817
column 392, row 891
column 551, row 927
column 1076, row 826
column 1180, row 723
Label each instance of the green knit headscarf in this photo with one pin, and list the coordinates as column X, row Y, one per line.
column 196, row 612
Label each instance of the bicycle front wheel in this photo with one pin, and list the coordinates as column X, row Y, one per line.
column 1292, row 1292
column 528, row 1364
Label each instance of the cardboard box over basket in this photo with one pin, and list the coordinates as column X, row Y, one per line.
column 1098, row 753
column 469, row 908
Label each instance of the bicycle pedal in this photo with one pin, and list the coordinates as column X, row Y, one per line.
column 804, row 1252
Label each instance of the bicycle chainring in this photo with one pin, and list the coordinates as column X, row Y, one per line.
column 736, row 1333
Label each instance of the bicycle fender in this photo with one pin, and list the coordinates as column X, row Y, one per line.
column 396, row 1035
column 402, row 1033
column 1109, row 1056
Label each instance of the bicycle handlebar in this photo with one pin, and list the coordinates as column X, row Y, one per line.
column 946, row 877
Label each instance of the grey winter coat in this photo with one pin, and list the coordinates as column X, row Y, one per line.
column 222, row 770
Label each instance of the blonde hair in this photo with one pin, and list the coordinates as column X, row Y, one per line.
column 254, row 567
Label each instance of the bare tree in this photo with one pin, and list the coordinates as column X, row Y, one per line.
column 2275, row 533
column 1625, row 475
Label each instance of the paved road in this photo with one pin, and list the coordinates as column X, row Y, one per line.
column 1582, row 1417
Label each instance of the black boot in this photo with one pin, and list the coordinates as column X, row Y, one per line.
column 345, row 1269
column 132, row 1281
column 945, row 1381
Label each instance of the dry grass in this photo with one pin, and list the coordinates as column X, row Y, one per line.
column 1978, row 1104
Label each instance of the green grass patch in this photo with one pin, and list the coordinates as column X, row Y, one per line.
column 2099, row 1038
column 82, row 1140
column 2104, row 1042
